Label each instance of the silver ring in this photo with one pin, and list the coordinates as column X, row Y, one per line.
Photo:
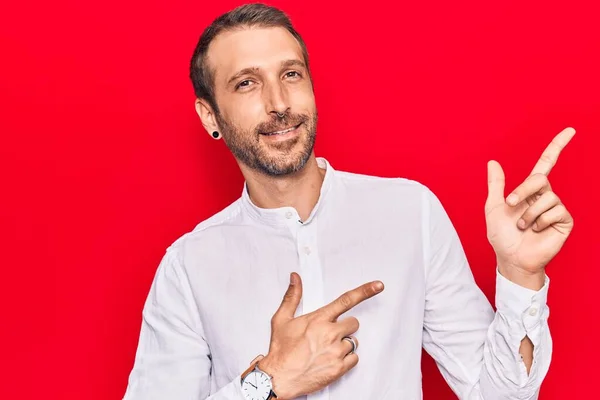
column 281, row 115
column 351, row 340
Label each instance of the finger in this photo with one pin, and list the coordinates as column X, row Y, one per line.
column 290, row 301
column 350, row 299
column 540, row 206
column 345, row 347
column 352, row 348
column 537, row 183
column 550, row 155
column 495, row 177
column 556, row 215
column 347, row 326
column 350, row 362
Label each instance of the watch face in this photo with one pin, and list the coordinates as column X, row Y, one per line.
column 256, row 386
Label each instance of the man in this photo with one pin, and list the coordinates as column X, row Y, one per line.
column 215, row 325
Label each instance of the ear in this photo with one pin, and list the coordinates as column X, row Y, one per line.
column 207, row 116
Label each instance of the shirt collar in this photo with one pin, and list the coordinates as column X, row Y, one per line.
column 287, row 214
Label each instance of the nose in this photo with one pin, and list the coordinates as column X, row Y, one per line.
column 277, row 99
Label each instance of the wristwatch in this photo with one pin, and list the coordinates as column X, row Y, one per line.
column 256, row 383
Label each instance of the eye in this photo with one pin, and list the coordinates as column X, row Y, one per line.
column 243, row 84
column 292, row 74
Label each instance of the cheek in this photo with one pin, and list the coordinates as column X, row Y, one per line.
column 303, row 100
column 245, row 113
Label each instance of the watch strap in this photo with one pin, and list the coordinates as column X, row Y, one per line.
column 252, row 366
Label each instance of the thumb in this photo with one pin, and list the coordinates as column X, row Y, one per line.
column 291, row 300
column 495, row 177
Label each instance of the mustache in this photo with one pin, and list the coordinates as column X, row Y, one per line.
column 278, row 124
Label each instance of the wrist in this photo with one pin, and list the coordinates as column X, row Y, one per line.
column 280, row 388
column 531, row 280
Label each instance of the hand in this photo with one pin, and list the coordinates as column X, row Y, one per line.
column 530, row 227
column 308, row 353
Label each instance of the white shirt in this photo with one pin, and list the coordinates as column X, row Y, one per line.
column 210, row 305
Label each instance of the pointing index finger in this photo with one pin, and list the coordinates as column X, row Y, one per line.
column 351, row 299
column 550, row 155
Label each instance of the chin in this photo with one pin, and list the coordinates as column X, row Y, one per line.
column 284, row 164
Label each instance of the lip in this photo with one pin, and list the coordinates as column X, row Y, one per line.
column 282, row 132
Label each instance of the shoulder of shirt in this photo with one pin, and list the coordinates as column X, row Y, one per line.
column 389, row 186
column 383, row 181
column 226, row 215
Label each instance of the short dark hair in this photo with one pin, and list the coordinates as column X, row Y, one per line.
column 245, row 16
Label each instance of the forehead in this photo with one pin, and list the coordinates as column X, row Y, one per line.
column 264, row 48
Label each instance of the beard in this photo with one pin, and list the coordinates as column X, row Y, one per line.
column 272, row 159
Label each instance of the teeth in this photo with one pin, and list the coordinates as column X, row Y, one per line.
column 283, row 131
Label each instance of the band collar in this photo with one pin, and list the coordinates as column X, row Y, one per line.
column 287, row 214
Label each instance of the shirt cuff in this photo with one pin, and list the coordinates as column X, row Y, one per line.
column 232, row 391
column 518, row 303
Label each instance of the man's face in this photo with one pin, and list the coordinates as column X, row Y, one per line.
column 257, row 73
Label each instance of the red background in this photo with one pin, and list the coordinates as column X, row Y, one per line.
column 104, row 162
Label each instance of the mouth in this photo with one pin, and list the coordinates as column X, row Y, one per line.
column 281, row 132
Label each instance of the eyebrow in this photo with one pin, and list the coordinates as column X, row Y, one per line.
column 255, row 70
column 292, row 63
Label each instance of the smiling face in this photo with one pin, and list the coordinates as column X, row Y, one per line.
column 258, row 73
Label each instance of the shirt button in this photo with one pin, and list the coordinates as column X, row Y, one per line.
column 307, row 250
column 533, row 311
column 289, row 214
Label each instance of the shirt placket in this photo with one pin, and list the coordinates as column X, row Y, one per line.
column 311, row 273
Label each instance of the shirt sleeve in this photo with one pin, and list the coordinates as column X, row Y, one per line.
column 173, row 360
column 475, row 348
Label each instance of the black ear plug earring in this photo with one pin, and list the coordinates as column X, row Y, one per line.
column 215, row 134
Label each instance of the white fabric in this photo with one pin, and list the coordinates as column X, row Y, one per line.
column 209, row 308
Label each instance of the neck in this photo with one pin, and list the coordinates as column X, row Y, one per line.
column 300, row 190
